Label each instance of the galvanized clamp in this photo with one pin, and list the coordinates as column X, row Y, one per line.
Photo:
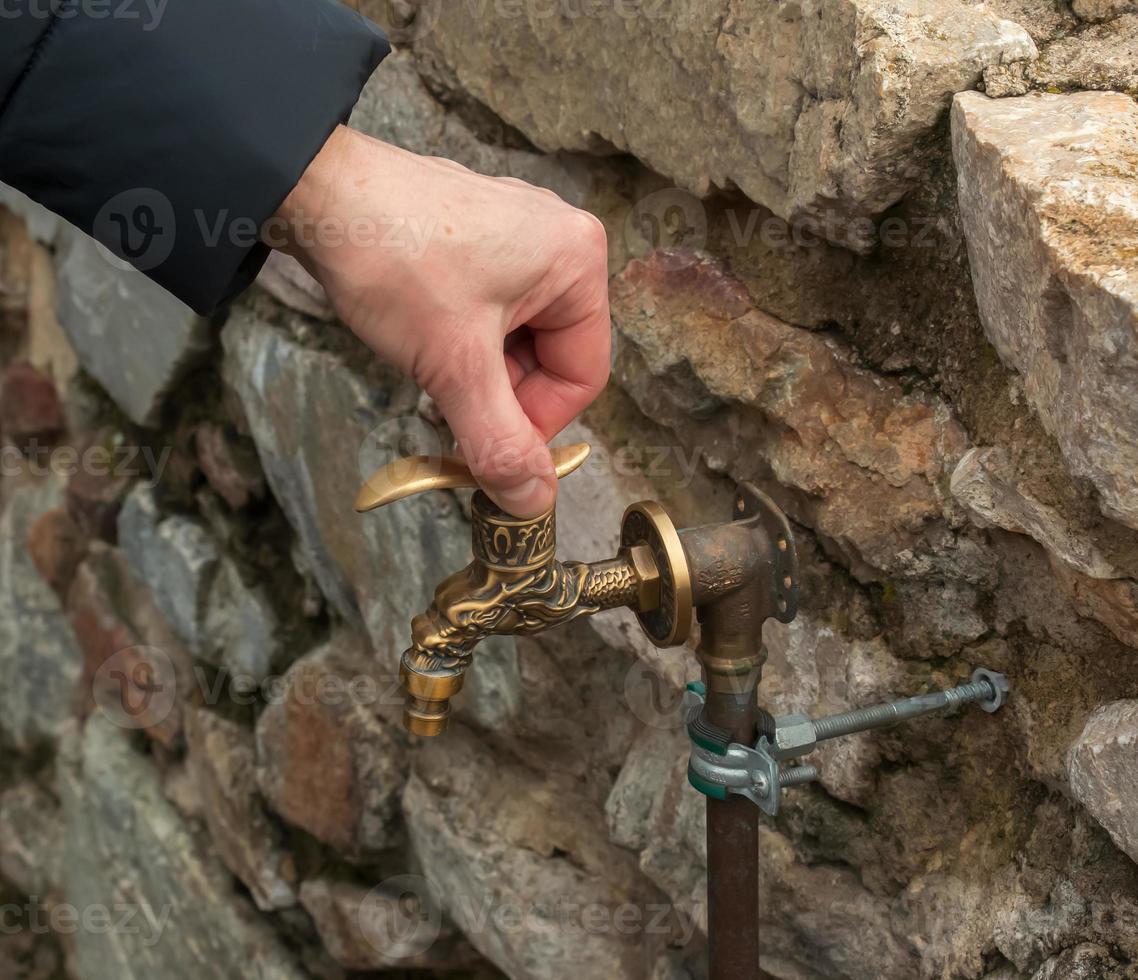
column 719, row 767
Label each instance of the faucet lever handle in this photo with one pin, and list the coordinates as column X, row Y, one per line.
column 415, row 474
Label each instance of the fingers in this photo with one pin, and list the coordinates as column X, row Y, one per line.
column 571, row 343
column 505, row 451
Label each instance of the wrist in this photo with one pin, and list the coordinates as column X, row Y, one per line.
column 292, row 229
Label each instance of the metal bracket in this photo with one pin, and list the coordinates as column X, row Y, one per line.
column 718, row 769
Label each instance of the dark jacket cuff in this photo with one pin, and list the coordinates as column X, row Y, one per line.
column 173, row 137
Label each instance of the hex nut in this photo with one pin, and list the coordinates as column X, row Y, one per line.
column 794, row 736
column 999, row 684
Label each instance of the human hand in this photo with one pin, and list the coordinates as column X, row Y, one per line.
column 491, row 293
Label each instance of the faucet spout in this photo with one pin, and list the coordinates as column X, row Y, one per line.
column 515, row 586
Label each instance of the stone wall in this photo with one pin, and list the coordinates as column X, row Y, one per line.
column 880, row 259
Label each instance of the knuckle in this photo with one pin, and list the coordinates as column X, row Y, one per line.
column 506, row 461
column 590, row 230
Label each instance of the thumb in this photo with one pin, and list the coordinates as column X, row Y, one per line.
column 502, row 447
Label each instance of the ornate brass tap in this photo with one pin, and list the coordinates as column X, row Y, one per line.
column 735, row 575
column 517, row 586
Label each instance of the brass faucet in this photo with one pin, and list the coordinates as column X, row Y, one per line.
column 734, row 575
column 517, row 586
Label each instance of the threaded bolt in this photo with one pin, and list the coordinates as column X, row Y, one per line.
column 987, row 687
column 797, row 776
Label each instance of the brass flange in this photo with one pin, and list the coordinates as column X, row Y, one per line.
column 646, row 525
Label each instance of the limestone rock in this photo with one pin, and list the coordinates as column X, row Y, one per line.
column 1099, row 10
column 761, row 398
column 1113, row 602
column 813, row 671
column 139, row 857
column 327, row 761
column 39, row 661
column 132, row 336
column 521, row 864
column 396, row 107
column 821, row 921
column 985, row 482
column 653, row 811
column 1101, row 57
column 942, row 918
column 1049, row 203
column 816, row 110
column 1103, row 768
column 1084, row 962
column 222, row 763
column 395, row 925
column 32, row 838
column 293, row 398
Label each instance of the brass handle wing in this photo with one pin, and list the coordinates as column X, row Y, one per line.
column 415, row 474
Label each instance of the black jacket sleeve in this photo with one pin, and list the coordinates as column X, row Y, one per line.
column 171, row 130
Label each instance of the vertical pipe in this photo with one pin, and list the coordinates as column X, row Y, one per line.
column 733, row 888
column 732, row 661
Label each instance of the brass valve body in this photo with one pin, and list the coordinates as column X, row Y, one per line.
column 516, row 586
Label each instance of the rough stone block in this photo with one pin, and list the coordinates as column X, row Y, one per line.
column 397, row 107
column 817, row 110
column 395, row 925
column 199, row 590
column 30, row 408
column 130, row 335
column 327, row 760
column 488, row 832
column 32, row 839
column 1103, row 768
column 760, row 398
column 222, row 763
column 39, row 661
column 140, row 857
column 137, row 672
column 1100, row 57
column 1048, row 191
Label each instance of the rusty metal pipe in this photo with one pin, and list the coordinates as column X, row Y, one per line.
column 732, row 656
